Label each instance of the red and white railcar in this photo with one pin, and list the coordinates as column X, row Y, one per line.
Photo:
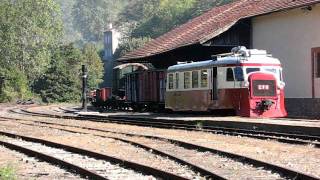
column 248, row 81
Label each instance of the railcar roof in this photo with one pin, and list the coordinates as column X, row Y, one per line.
column 225, row 61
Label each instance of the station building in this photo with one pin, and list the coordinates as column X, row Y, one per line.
column 287, row 29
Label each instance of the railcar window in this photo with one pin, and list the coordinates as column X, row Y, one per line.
column 195, row 79
column 204, row 78
column 230, row 76
column 177, row 80
column 186, row 80
column 280, row 75
column 273, row 70
column 250, row 70
column 170, row 81
column 238, row 72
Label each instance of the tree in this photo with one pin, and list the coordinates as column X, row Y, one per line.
column 128, row 45
column 71, row 35
column 152, row 18
column 29, row 29
column 159, row 16
column 91, row 17
column 61, row 82
column 94, row 63
column 15, row 85
column 202, row 6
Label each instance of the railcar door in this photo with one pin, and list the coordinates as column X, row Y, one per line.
column 316, row 72
column 214, row 84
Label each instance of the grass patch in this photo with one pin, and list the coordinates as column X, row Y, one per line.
column 7, row 173
column 199, row 124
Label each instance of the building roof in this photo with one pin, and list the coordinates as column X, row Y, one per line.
column 211, row 24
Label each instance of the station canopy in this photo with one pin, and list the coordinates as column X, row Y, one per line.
column 210, row 25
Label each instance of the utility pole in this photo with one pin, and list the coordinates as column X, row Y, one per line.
column 84, row 88
column 2, row 81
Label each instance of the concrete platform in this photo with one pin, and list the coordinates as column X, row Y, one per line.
column 282, row 125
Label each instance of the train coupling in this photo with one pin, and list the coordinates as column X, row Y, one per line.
column 264, row 104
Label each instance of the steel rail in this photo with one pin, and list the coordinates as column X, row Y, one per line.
column 292, row 174
column 182, row 125
column 127, row 164
column 281, row 137
column 55, row 161
column 202, row 171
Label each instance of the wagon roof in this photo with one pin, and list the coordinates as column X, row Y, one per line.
column 210, row 24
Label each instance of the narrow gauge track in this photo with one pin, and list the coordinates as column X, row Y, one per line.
column 280, row 137
column 284, row 172
column 203, row 171
column 100, row 163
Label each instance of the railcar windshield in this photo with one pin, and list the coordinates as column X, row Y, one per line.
column 274, row 70
column 250, row 70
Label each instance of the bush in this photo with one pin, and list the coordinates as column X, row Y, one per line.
column 7, row 173
column 15, row 86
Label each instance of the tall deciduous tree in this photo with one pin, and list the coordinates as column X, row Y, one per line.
column 91, row 17
column 28, row 30
column 202, row 6
column 71, row 35
column 95, row 66
column 158, row 16
column 61, row 82
column 129, row 44
column 153, row 18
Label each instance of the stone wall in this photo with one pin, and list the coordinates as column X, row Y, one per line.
column 303, row 107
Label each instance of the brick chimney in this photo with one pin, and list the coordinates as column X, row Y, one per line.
column 111, row 41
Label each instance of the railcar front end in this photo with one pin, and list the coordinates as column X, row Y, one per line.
column 247, row 81
column 265, row 97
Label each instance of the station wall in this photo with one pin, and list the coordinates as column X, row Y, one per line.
column 290, row 35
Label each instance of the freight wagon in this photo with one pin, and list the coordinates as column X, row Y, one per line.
column 145, row 90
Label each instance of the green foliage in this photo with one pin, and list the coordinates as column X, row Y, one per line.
column 28, row 30
column 91, row 17
column 202, row 6
column 152, row 18
column 16, row 85
column 156, row 16
column 61, row 82
column 31, row 32
column 71, row 35
column 94, row 64
column 128, row 45
column 7, row 173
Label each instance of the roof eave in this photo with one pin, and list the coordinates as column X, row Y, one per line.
column 123, row 59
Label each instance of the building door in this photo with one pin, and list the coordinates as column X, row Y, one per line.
column 316, row 72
